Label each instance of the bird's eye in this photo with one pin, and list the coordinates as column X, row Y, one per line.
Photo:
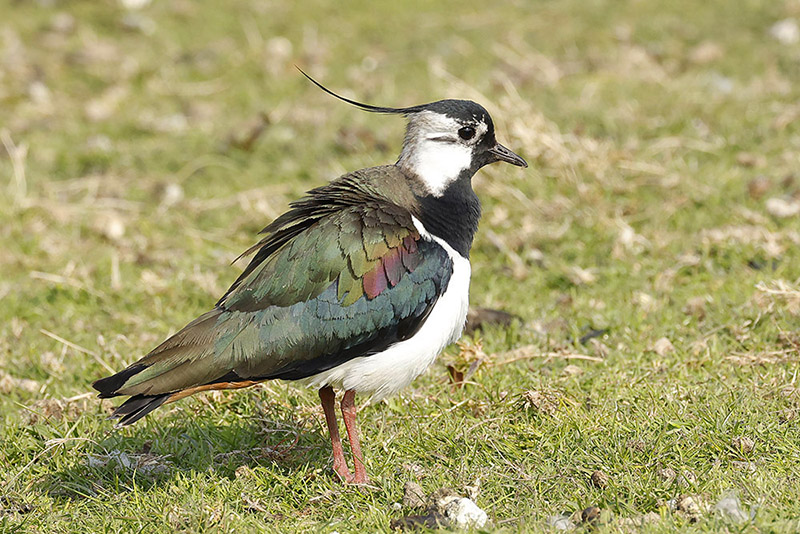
column 466, row 133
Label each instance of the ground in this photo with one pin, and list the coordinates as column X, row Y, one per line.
column 651, row 254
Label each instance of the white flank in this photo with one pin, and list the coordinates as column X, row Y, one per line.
column 387, row 372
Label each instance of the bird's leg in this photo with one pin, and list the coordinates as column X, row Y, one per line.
column 327, row 396
column 349, row 415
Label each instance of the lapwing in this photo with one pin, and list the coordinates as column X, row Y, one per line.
column 357, row 287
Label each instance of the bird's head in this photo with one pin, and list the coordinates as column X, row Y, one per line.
column 445, row 140
column 449, row 139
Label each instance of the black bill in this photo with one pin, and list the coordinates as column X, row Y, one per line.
column 504, row 154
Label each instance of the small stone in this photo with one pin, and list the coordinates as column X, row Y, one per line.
column 474, row 490
column 600, row 479
column 147, row 464
column 644, row 301
column 478, row 318
column 786, row 31
column 535, row 256
column 698, row 347
column 787, row 415
column 690, row 506
column 650, row 517
column 748, row 159
column 111, row 226
column 706, row 52
column 115, row 229
column 590, row 514
column 662, row 346
column 730, row 508
column 696, row 307
column 667, row 474
column 40, row 94
column 413, row 495
column 279, row 48
column 278, row 51
column 540, row 402
column 440, row 498
column 560, row 522
column 243, row 471
column 782, row 208
column 172, row 194
column 18, row 326
column 743, row 444
column 758, row 186
column 52, row 362
column 104, row 106
column 629, row 241
column 9, row 384
column 135, row 4
column 599, row 349
column 463, row 513
column 580, row 276
column 54, row 410
column 572, row 370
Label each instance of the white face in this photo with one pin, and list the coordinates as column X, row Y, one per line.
column 438, row 148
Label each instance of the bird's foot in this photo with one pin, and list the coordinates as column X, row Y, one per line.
column 360, row 479
column 346, row 476
column 343, row 472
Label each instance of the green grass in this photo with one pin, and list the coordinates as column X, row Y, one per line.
column 653, row 161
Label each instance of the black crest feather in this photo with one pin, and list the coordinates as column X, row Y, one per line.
column 360, row 105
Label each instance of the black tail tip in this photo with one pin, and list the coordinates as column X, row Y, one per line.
column 137, row 407
column 109, row 385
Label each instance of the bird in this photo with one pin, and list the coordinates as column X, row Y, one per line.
column 357, row 287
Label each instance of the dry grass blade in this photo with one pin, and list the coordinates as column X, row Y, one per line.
column 530, row 352
column 17, row 154
column 77, row 347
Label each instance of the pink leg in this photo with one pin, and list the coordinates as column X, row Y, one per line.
column 349, row 415
column 327, row 396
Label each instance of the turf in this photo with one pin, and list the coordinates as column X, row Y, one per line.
column 651, row 254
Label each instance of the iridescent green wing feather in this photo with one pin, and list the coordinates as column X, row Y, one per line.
column 343, row 274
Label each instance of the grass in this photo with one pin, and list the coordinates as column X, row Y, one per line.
column 660, row 136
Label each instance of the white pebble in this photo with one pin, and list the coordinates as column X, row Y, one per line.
column 561, row 522
column 779, row 207
column 463, row 513
column 786, row 31
column 134, row 4
column 173, row 193
column 730, row 508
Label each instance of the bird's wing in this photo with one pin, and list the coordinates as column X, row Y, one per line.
column 347, row 283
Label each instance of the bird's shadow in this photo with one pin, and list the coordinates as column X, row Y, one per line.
column 149, row 455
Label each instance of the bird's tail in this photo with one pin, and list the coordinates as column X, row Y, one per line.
column 164, row 374
column 137, row 407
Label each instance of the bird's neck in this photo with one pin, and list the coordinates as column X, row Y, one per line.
column 435, row 165
column 453, row 216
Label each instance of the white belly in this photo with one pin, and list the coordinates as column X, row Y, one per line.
column 387, row 372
